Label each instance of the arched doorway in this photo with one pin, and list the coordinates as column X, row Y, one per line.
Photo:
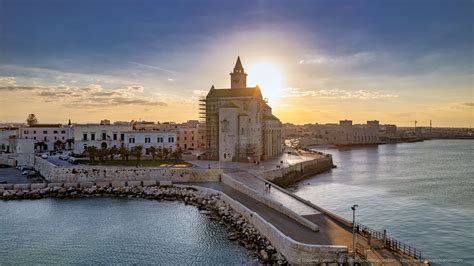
column 103, row 145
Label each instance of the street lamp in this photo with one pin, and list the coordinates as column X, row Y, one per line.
column 353, row 230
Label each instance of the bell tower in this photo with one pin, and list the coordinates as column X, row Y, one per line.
column 238, row 78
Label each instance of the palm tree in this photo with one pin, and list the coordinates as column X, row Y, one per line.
column 58, row 145
column 137, row 152
column 112, row 151
column 152, row 150
column 124, row 153
column 70, row 142
column 92, row 152
column 102, row 154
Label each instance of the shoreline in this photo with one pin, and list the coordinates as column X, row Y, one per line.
column 211, row 205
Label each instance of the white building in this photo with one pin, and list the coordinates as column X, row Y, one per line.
column 148, row 139
column 110, row 135
column 6, row 135
column 99, row 135
column 46, row 135
column 345, row 133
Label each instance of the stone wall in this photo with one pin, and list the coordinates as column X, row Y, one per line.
column 295, row 252
column 79, row 173
column 14, row 159
column 287, row 176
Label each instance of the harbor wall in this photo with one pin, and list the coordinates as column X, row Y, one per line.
column 295, row 252
column 289, row 175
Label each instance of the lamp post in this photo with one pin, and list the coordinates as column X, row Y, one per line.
column 353, row 230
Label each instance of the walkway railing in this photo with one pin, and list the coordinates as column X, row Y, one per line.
column 390, row 243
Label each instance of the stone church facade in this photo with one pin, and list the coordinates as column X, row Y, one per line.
column 239, row 124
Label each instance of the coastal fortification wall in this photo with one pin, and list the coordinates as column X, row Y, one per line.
column 14, row 159
column 295, row 252
column 287, row 176
column 78, row 173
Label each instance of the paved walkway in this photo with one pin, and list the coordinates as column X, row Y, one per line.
column 330, row 233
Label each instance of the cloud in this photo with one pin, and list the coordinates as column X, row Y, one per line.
column 200, row 92
column 469, row 104
column 7, row 81
column 91, row 96
column 338, row 94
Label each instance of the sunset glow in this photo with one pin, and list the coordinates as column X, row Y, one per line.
column 268, row 77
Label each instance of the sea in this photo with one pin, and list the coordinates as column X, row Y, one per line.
column 422, row 193
column 98, row 231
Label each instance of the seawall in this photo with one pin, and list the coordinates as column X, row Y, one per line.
column 288, row 176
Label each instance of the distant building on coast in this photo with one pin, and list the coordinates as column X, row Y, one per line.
column 239, row 124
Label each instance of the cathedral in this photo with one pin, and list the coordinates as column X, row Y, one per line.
column 239, row 124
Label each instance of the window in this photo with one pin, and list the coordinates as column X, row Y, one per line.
column 55, row 138
column 192, row 138
column 185, row 132
column 55, row 132
column 34, row 138
column 178, row 138
column 185, row 138
column 62, row 137
column 131, row 140
column 122, row 137
column 115, row 136
column 45, row 132
column 45, row 139
column 34, row 131
column 171, row 139
column 92, row 136
column 147, row 140
column 25, row 132
column 104, row 136
column 84, row 136
column 160, row 140
column 63, row 131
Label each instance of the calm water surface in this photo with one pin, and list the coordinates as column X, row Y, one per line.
column 110, row 231
column 422, row 193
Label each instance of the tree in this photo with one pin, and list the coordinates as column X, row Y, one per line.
column 153, row 151
column 31, row 120
column 124, row 153
column 112, row 151
column 102, row 154
column 177, row 154
column 58, row 145
column 69, row 143
column 137, row 152
column 92, row 152
column 166, row 153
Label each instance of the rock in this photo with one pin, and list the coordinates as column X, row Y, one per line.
column 263, row 255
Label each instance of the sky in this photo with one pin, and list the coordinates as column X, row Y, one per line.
column 315, row 61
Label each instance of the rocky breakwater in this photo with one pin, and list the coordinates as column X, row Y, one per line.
column 209, row 204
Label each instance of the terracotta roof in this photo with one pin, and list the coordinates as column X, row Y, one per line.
column 242, row 92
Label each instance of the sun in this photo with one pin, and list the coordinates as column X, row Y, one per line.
column 268, row 77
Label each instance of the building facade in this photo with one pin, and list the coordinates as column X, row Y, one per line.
column 239, row 124
column 190, row 135
column 46, row 135
column 106, row 135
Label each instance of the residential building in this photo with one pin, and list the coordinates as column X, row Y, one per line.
column 148, row 139
column 99, row 135
column 6, row 135
column 239, row 124
column 190, row 135
column 46, row 135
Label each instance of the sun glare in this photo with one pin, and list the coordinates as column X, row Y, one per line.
column 268, row 77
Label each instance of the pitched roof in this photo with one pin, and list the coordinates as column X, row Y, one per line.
column 270, row 117
column 241, row 92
